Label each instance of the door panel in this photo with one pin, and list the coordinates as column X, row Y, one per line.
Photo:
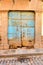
column 14, row 15
column 28, row 23
column 27, row 36
column 30, row 33
column 27, row 15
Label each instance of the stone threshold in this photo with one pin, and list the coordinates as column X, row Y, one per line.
column 20, row 52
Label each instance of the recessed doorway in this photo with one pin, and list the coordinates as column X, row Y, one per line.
column 21, row 28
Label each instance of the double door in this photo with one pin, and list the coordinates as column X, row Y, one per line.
column 21, row 28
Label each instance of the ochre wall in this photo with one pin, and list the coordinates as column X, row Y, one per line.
column 7, row 5
column 20, row 5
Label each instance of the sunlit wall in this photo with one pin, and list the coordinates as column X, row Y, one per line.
column 42, row 23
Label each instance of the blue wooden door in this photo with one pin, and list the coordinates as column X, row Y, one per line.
column 21, row 26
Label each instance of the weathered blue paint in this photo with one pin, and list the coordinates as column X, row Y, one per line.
column 12, row 29
column 28, row 32
column 21, row 24
column 28, row 23
column 14, row 32
column 14, row 15
column 27, row 15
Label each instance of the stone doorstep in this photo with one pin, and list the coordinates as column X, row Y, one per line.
column 21, row 52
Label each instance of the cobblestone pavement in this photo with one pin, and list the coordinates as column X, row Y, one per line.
column 30, row 60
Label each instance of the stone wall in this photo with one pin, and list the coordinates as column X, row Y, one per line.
column 7, row 5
